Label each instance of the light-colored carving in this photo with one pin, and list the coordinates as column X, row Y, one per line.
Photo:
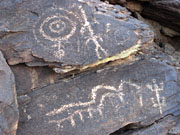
column 98, row 97
column 95, row 105
column 160, row 100
column 92, row 37
column 122, row 38
column 54, row 28
column 59, row 23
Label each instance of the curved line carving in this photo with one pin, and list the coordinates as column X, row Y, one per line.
column 96, row 104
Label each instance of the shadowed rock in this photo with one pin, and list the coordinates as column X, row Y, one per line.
column 8, row 102
column 166, row 12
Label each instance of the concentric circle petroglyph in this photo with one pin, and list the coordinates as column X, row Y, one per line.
column 55, row 25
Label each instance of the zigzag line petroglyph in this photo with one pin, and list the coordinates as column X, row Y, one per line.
column 94, row 105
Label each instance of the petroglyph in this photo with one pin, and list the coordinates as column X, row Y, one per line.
column 122, row 38
column 160, row 101
column 92, row 36
column 98, row 97
column 96, row 104
column 55, row 26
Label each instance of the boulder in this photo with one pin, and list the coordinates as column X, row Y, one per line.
column 101, row 102
column 68, row 33
column 8, row 102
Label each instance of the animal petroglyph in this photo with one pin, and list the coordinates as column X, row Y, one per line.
column 99, row 96
column 96, row 104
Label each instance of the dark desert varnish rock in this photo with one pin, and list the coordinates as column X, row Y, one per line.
column 68, row 33
column 99, row 103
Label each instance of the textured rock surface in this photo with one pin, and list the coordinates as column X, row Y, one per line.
column 28, row 78
column 97, row 103
column 167, row 12
column 8, row 102
column 71, row 33
column 160, row 127
column 139, row 95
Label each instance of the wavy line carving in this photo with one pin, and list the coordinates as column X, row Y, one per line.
column 96, row 104
column 98, row 97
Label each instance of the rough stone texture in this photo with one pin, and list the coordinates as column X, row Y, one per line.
column 97, row 103
column 8, row 102
column 59, row 33
column 167, row 12
column 28, row 78
column 160, row 127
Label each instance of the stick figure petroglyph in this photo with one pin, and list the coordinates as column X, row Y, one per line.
column 96, row 104
column 92, row 37
column 160, row 100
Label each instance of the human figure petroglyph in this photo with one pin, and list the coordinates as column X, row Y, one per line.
column 160, row 100
column 92, row 36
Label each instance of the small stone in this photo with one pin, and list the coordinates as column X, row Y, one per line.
column 25, row 99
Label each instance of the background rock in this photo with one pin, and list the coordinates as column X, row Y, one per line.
column 28, row 78
column 8, row 102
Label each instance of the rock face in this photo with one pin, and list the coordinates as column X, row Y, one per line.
column 65, row 33
column 167, row 12
column 28, row 78
column 97, row 103
column 135, row 91
column 8, row 102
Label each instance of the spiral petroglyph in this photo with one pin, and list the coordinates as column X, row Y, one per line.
column 57, row 28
